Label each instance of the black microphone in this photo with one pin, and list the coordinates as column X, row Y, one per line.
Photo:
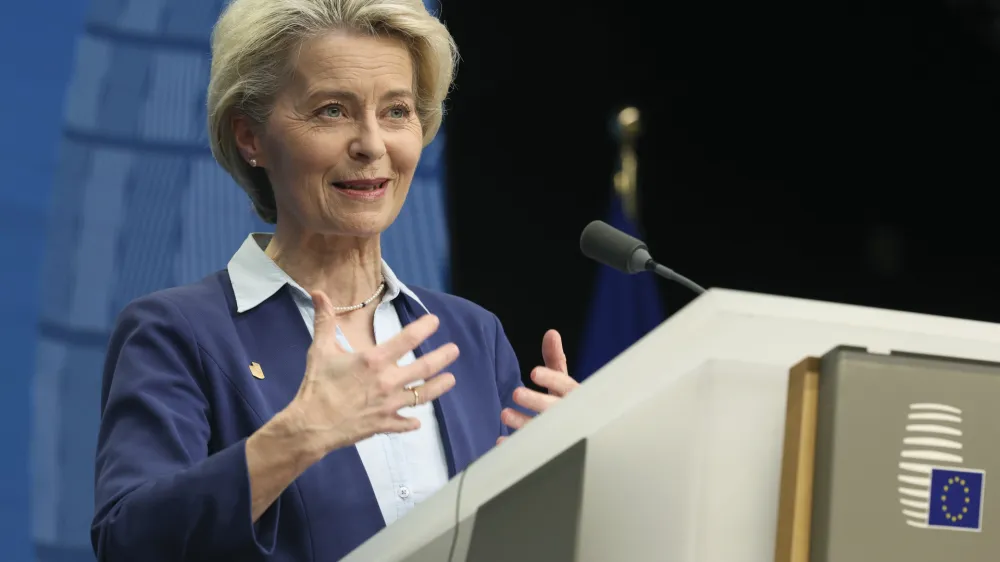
column 606, row 244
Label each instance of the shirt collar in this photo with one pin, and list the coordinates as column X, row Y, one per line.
column 255, row 277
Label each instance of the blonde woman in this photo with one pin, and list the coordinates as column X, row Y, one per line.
column 290, row 406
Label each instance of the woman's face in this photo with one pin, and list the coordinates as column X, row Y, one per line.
column 343, row 140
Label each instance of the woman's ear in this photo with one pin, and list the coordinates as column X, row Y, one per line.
column 248, row 140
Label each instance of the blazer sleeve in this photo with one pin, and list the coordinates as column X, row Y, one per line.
column 508, row 372
column 159, row 495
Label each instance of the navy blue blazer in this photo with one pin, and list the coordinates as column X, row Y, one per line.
column 178, row 402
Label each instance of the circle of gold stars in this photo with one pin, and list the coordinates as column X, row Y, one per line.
column 957, row 485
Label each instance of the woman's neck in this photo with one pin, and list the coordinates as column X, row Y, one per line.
column 348, row 269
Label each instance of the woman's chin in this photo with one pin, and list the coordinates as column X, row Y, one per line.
column 361, row 223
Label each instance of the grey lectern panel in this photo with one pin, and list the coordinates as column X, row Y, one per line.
column 432, row 551
column 904, row 448
column 536, row 519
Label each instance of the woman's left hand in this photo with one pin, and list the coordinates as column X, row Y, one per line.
column 554, row 377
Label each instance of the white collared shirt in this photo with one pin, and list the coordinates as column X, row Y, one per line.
column 404, row 468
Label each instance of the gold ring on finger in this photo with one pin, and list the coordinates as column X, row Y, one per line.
column 416, row 397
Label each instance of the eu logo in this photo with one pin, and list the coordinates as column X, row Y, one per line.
column 956, row 499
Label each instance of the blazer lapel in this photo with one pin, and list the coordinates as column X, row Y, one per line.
column 277, row 338
column 453, row 435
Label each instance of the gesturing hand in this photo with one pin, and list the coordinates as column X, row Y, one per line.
column 554, row 377
column 347, row 397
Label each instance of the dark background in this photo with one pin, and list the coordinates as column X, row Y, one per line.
column 835, row 151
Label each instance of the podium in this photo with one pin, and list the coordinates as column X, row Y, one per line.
column 674, row 450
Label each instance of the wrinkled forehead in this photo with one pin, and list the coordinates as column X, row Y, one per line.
column 351, row 61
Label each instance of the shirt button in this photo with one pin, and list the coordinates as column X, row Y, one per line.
column 404, row 492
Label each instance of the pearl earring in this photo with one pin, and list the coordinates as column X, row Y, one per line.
column 253, row 162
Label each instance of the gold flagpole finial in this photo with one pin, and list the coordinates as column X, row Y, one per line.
column 625, row 179
column 628, row 122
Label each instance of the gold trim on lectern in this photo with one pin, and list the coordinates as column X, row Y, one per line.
column 797, row 463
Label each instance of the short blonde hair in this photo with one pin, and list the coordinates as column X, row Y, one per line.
column 252, row 45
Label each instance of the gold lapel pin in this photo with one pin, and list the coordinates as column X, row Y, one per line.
column 256, row 371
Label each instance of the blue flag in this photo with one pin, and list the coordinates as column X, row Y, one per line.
column 624, row 307
column 956, row 498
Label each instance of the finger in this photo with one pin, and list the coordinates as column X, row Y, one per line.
column 501, row 439
column 409, row 338
column 533, row 400
column 514, row 419
column 427, row 392
column 427, row 366
column 325, row 322
column 552, row 352
column 558, row 382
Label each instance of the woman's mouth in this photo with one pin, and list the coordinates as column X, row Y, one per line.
column 367, row 190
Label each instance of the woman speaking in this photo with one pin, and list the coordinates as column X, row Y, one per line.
column 290, row 406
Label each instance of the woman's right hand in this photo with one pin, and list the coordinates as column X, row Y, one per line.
column 347, row 397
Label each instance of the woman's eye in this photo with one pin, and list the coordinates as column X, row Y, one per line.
column 333, row 111
column 399, row 112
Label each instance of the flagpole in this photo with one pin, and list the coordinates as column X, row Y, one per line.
column 627, row 130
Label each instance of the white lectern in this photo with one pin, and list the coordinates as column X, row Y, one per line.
column 670, row 452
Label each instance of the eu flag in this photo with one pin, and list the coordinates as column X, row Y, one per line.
column 624, row 307
column 956, row 499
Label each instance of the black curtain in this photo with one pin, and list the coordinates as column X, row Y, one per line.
column 837, row 151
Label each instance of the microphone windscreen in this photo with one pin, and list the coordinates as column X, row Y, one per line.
column 606, row 244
